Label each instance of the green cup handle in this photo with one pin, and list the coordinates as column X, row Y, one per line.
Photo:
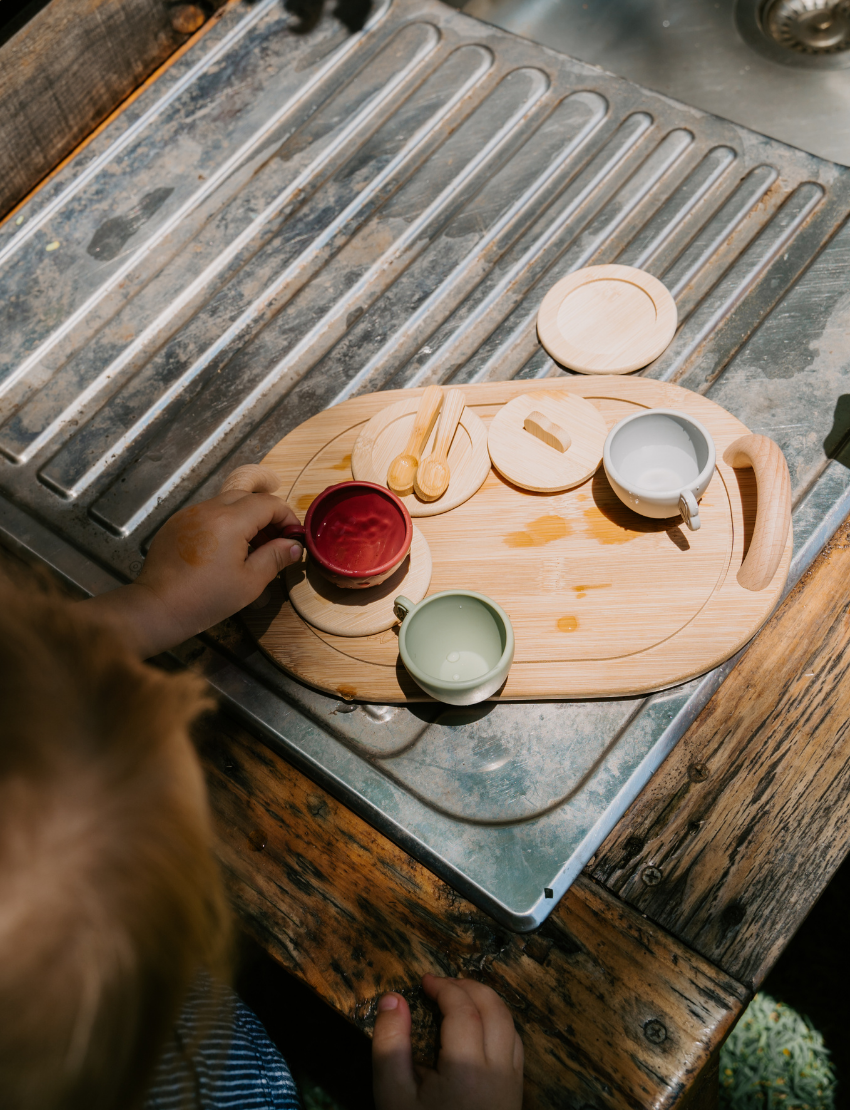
column 402, row 606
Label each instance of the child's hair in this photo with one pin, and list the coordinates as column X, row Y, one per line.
column 111, row 902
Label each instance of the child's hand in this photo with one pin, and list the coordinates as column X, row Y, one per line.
column 480, row 1061
column 201, row 567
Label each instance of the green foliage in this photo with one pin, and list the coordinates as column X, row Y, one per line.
column 775, row 1060
column 313, row 1097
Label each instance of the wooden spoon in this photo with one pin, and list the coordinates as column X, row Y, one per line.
column 432, row 477
column 402, row 469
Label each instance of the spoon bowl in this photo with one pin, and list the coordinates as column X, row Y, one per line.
column 432, row 479
column 401, row 474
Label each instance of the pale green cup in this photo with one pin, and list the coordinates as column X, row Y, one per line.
column 457, row 645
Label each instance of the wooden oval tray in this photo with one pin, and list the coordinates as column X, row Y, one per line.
column 603, row 602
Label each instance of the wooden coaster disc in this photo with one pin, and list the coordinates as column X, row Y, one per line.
column 607, row 320
column 358, row 612
column 386, row 436
column 531, row 464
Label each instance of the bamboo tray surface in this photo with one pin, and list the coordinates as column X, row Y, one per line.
column 603, row 602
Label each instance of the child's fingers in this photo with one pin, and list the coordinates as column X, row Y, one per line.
column 393, row 1079
column 271, row 558
column 499, row 1033
column 462, row 1029
column 251, row 514
column 499, row 1037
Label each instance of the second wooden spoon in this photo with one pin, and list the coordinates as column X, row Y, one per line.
column 402, row 469
column 433, row 476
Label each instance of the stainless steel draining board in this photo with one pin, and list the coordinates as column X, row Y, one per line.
column 278, row 223
column 693, row 50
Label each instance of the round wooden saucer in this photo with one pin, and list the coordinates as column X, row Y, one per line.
column 531, row 464
column 607, row 320
column 386, row 436
column 358, row 612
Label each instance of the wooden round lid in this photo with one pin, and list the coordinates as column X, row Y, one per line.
column 344, row 612
column 607, row 320
column 532, row 463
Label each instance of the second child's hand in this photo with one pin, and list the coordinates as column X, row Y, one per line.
column 480, row 1062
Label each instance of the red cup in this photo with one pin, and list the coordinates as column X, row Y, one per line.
column 357, row 533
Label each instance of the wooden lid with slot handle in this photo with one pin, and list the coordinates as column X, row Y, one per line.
column 533, row 463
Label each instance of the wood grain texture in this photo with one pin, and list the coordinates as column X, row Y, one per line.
column 773, row 483
column 344, row 612
column 433, row 473
column 528, row 461
column 704, row 1094
column 737, row 834
column 583, row 578
column 388, row 430
column 614, row 1014
column 606, row 319
column 64, row 72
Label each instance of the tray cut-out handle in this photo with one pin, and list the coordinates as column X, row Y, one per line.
column 251, row 478
column 773, row 518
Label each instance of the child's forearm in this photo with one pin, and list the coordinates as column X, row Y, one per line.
column 138, row 616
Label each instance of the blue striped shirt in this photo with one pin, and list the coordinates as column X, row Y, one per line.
column 221, row 1058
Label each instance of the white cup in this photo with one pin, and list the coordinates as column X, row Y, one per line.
column 659, row 462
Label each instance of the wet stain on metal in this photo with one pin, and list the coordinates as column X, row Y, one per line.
column 109, row 239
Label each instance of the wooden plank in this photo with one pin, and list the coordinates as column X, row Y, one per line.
column 67, row 69
column 613, row 1012
column 603, row 602
column 705, row 1092
column 737, row 835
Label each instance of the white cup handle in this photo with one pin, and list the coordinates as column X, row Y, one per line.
column 689, row 509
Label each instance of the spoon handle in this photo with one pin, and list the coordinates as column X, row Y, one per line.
column 426, row 414
column 453, row 405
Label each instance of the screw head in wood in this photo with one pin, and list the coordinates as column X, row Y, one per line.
column 651, row 876
column 698, row 772
column 655, row 1031
column 187, row 18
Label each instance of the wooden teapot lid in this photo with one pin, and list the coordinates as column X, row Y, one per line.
column 607, row 320
column 527, row 461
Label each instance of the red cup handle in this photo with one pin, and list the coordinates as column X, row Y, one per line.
column 294, row 532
